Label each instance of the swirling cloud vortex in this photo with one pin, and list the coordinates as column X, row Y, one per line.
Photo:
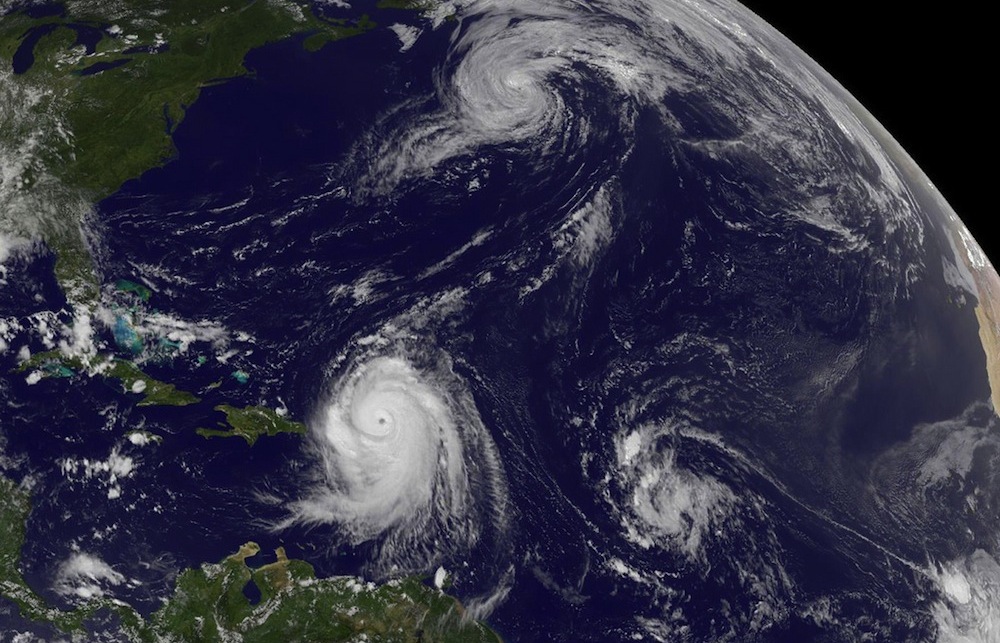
column 405, row 455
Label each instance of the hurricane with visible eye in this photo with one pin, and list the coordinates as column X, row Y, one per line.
column 403, row 457
column 623, row 312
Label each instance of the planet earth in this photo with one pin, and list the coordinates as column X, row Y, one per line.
column 478, row 320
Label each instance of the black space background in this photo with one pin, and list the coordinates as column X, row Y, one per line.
column 926, row 71
column 926, row 74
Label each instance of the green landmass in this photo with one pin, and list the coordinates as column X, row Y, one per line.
column 15, row 505
column 249, row 423
column 208, row 604
column 252, row 422
column 104, row 126
column 154, row 392
column 117, row 123
column 122, row 118
column 124, row 285
column 14, row 509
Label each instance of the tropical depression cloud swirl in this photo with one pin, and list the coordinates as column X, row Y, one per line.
column 405, row 457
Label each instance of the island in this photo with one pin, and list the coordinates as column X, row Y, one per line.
column 56, row 363
column 252, row 422
column 97, row 91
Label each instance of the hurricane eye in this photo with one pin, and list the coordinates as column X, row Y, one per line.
column 398, row 444
column 383, row 425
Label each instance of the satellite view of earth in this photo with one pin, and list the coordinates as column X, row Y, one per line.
column 478, row 320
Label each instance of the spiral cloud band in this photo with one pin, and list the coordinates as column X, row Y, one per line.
column 394, row 444
column 519, row 74
column 404, row 457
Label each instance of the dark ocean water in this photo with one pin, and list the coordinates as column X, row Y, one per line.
column 710, row 311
